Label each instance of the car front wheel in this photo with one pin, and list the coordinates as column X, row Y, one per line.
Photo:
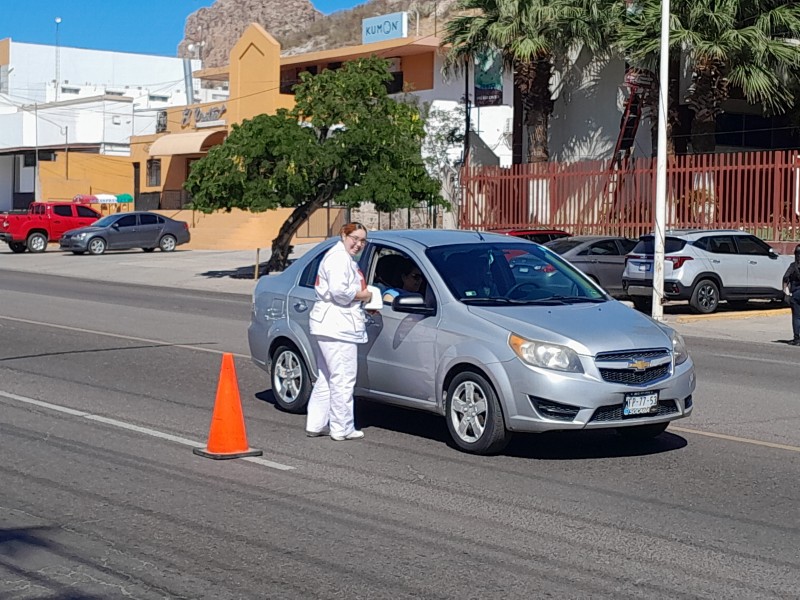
column 705, row 297
column 474, row 416
column 97, row 246
column 291, row 384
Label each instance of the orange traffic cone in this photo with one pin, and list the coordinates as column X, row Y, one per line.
column 227, row 437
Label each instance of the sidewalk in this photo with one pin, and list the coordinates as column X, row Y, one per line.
column 232, row 272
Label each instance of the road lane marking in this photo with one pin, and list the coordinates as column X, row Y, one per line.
column 741, row 440
column 137, row 428
column 121, row 336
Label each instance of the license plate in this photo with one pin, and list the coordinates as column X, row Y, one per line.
column 640, row 404
column 644, row 267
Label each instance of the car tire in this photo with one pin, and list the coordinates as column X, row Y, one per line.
column 96, row 246
column 167, row 243
column 642, row 432
column 291, row 383
column 148, row 249
column 473, row 414
column 17, row 247
column 642, row 303
column 37, row 242
column 705, row 297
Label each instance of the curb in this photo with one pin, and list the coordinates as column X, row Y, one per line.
column 734, row 315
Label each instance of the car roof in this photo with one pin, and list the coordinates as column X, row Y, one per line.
column 696, row 233
column 436, row 237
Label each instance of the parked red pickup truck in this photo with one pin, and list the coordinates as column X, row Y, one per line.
column 44, row 222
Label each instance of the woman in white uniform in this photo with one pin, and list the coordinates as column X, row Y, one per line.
column 337, row 323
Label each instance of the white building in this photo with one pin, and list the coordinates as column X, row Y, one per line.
column 53, row 98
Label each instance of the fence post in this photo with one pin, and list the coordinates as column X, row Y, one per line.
column 258, row 262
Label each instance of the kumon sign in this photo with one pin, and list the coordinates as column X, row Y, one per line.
column 384, row 27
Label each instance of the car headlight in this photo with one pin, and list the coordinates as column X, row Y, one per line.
column 80, row 236
column 679, row 348
column 546, row 355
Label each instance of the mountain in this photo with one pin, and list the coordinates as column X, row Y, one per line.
column 297, row 25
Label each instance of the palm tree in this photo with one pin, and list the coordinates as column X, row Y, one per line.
column 529, row 35
column 749, row 44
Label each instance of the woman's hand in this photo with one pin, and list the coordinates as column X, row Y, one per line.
column 364, row 295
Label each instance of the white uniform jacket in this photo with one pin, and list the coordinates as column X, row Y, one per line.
column 336, row 313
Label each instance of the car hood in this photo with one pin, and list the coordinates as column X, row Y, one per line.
column 586, row 328
column 78, row 230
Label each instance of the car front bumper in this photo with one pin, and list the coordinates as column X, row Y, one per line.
column 538, row 400
column 6, row 237
column 73, row 244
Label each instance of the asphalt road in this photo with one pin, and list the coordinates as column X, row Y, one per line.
column 105, row 388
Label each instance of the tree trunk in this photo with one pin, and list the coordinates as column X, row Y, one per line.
column 705, row 96
column 281, row 245
column 533, row 79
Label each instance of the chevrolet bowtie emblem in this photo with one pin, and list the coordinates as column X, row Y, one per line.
column 639, row 365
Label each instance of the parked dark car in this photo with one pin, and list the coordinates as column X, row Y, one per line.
column 124, row 231
column 602, row 258
column 540, row 236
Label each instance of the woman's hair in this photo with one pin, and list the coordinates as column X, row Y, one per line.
column 349, row 228
column 407, row 267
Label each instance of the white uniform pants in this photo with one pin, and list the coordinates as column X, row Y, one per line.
column 331, row 401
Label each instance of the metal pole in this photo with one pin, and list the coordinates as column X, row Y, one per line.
column 66, row 151
column 58, row 58
column 661, row 168
column 466, row 111
column 37, row 194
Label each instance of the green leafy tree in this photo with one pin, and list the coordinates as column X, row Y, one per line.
column 346, row 141
column 529, row 35
column 749, row 44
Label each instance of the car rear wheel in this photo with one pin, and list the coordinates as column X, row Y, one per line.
column 168, row 243
column 291, row 384
column 37, row 242
column 17, row 247
column 474, row 416
column 705, row 297
column 97, row 246
column 642, row 432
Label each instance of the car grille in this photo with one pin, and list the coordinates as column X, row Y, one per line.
column 605, row 414
column 620, row 367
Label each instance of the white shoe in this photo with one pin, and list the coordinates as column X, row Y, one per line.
column 355, row 435
column 321, row 432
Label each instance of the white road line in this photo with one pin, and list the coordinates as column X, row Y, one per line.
column 120, row 336
column 733, row 438
column 129, row 426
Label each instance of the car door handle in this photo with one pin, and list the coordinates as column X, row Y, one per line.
column 272, row 313
column 715, row 261
column 753, row 262
column 300, row 306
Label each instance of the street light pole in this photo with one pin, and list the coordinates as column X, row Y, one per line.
column 661, row 168
column 58, row 58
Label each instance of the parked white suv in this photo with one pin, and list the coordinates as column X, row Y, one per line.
column 705, row 267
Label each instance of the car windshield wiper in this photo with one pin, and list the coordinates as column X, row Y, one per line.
column 576, row 299
column 488, row 300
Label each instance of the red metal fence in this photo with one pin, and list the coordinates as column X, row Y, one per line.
column 754, row 191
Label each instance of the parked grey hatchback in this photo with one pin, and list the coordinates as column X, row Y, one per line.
column 505, row 336
column 123, row 231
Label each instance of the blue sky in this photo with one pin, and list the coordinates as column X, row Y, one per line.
column 144, row 26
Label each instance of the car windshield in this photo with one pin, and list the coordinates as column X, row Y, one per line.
column 105, row 221
column 502, row 274
column 563, row 245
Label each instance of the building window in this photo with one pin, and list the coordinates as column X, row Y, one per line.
column 154, row 172
column 158, row 98
column 30, row 160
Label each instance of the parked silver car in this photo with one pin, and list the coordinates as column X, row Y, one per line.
column 602, row 258
column 706, row 266
column 505, row 336
column 127, row 230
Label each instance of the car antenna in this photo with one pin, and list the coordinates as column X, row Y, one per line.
column 480, row 236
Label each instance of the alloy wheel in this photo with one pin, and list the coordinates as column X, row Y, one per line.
column 287, row 379
column 468, row 411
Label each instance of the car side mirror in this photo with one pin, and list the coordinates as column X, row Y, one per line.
column 115, row 226
column 413, row 304
column 772, row 254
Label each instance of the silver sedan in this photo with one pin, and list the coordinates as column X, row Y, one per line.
column 502, row 336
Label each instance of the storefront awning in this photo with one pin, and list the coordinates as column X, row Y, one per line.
column 186, row 143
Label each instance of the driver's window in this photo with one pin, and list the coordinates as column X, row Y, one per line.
column 394, row 273
column 752, row 246
column 127, row 221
